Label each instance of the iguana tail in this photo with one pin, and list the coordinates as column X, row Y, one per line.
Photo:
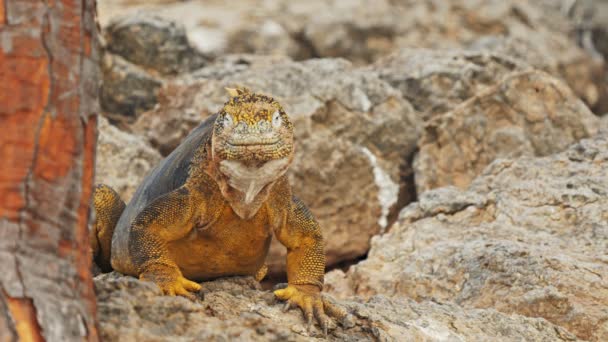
column 108, row 208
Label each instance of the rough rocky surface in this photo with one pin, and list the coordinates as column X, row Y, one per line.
column 436, row 81
column 527, row 113
column 371, row 129
column 508, row 237
column 590, row 19
column 236, row 309
column 152, row 42
column 363, row 31
column 590, row 22
column 127, row 90
column 556, row 55
column 529, row 236
column 545, row 34
column 123, row 159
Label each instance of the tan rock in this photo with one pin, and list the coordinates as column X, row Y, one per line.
column 236, row 309
column 528, row 113
column 538, row 33
column 544, row 33
column 529, row 237
column 436, row 81
column 122, row 159
column 558, row 55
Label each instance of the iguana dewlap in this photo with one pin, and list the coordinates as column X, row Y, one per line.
column 211, row 208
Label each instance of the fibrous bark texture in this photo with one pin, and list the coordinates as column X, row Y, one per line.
column 48, row 106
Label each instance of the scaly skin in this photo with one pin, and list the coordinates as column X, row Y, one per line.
column 220, row 220
column 108, row 207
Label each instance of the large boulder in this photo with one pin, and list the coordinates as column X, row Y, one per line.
column 436, row 81
column 528, row 236
column 237, row 309
column 559, row 56
column 527, row 113
column 122, row 159
column 127, row 90
column 354, row 135
column 152, row 42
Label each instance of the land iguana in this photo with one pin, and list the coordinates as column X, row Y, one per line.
column 211, row 207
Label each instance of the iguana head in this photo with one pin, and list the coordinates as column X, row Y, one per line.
column 252, row 146
column 252, row 127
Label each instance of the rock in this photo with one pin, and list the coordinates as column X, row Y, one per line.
column 127, row 90
column 436, row 81
column 152, row 42
column 590, row 18
column 557, row 55
column 122, row 159
column 542, row 33
column 348, row 122
column 538, row 32
column 603, row 124
column 338, row 284
column 267, row 38
column 528, row 113
column 361, row 31
column 591, row 31
column 527, row 237
column 236, row 309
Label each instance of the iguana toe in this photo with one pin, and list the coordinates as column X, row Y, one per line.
column 170, row 281
column 313, row 306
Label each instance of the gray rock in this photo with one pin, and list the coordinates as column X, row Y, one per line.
column 528, row 236
column 527, row 113
column 559, row 56
column 436, row 81
column 152, row 43
column 590, row 19
column 127, row 90
column 540, row 33
column 590, row 22
column 122, row 159
column 237, row 309
column 267, row 38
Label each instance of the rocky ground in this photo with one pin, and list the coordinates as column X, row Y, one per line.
column 457, row 147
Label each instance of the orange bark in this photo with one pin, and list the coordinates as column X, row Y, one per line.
column 48, row 106
column 2, row 13
column 23, row 312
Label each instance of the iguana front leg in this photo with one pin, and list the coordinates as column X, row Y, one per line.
column 166, row 219
column 305, row 266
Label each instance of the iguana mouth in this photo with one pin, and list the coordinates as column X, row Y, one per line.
column 253, row 142
column 254, row 149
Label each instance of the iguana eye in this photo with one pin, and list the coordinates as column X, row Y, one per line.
column 228, row 120
column 276, row 119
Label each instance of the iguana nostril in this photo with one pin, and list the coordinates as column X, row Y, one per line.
column 241, row 128
column 263, row 126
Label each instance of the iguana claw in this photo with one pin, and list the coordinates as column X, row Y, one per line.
column 308, row 298
column 170, row 281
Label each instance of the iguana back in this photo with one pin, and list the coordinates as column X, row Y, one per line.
column 170, row 174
